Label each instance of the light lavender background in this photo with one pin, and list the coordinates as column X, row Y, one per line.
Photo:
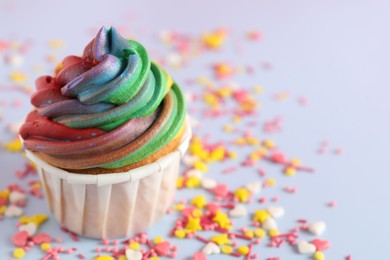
column 334, row 52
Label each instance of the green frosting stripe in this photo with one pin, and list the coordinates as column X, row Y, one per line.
column 167, row 133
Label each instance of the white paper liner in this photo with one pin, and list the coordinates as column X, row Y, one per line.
column 107, row 206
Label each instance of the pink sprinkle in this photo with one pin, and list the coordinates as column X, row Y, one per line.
column 204, row 240
column 261, row 172
column 98, row 249
column 349, row 257
column 105, row 242
column 338, row 150
column 230, row 169
column 236, row 254
column 303, row 101
column 332, row 204
column 81, row 256
column 275, row 199
column 263, row 200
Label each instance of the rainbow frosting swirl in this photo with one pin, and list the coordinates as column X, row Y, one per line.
column 107, row 109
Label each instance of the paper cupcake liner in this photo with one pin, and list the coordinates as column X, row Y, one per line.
column 107, row 206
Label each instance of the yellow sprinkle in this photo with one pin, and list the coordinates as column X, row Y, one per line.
column 134, row 245
column 179, row 182
column 319, row 256
column 36, row 186
column 3, row 209
column 197, row 213
column 232, row 155
column 200, row 166
column 222, row 219
column 204, row 81
column 158, row 240
column 262, row 151
column 193, row 224
column 37, row 219
column 4, row 194
column 227, row 250
column 211, row 100
column 56, row 44
column 273, row 232
column 242, row 194
column 154, row 258
column 213, row 40
column 260, row 233
column 249, row 233
column 13, row 146
column 228, row 128
column 269, row 144
column 289, row 171
column 19, row 252
column 225, row 92
column 104, row 257
column 199, row 201
column 254, row 156
column 221, row 239
column 252, row 141
column 178, row 207
column 258, row 89
column 123, row 257
column 261, row 216
column 295, row 162
column 193, row 182
column 218, row 154
column 271, row 182
column 180, row 233
column 18, row 77
column 241, row 141
column 45, row 246
column 236, row 119
column 244, row 250
column 59, row 67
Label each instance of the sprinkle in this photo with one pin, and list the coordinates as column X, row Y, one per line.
column 18, row 77
column 260, row 233
column 243, row 250
column 261, row 216
column 214, row 40
column 19, row 252
column 319, row 256
column 193, row 224
column 45, row 246
column 104, row 257
column 180, row 234
column 199, row 201
column 242, row 194
column 221, row 239
column 134, row 245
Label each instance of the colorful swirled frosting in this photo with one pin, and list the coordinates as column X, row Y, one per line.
column 107, row 109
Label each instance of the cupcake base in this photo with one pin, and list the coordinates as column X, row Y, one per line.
column 112, row 205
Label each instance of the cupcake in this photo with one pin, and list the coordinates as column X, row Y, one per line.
column 106, row 134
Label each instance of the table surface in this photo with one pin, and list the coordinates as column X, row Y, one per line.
column 332, row 54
